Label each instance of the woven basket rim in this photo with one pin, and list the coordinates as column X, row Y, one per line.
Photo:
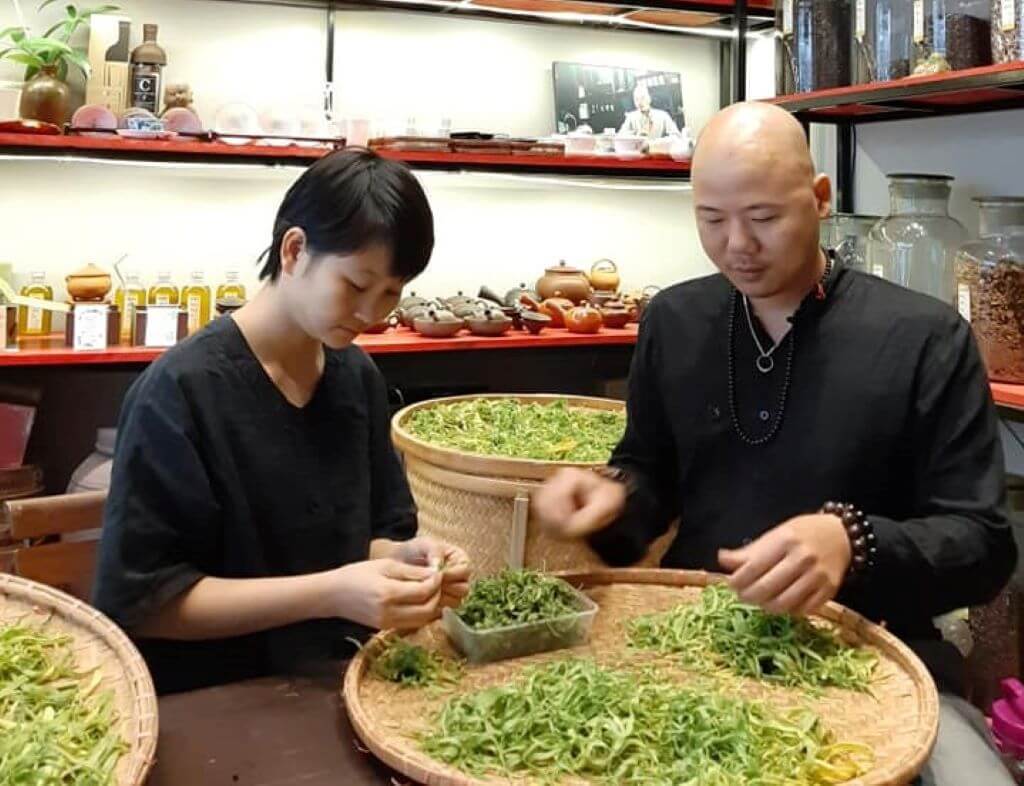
column 143, row 723
column 381, row 743
column 485, row 465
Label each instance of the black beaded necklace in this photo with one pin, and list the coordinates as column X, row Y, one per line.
column 776, row 423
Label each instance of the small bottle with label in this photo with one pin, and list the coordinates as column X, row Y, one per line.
column 163, row 293
column 196, row 299
column 35, row 321
column 148, row 61
column 129, row 299
column 232, row 286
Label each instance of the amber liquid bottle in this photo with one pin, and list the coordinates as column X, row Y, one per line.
column 35, row 321
column 196, row 300
column 163, row 292
column 129, row 299
column 232, row 286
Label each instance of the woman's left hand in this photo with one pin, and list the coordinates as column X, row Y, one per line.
column 453, row 562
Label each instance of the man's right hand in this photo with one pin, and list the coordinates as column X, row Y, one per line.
column 576, row 503
column 385, row 593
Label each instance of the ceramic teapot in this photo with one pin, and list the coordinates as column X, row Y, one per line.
column 604, row 276
column 88, row 283
column 564, row 281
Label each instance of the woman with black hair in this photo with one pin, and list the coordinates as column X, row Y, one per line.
column 258, row 516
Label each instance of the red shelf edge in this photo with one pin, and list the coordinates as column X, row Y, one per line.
column 390, row 343
column 1008, row 395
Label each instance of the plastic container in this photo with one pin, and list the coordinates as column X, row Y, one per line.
column 517, row 641
column 990, row 286
column 882, row 46
column 916, row 244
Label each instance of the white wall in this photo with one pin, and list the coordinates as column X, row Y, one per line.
column 484, row 75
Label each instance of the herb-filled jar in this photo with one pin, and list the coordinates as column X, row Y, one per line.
column 1007, row 30
column 951, row 35
column 821, row 31
column 882, row 40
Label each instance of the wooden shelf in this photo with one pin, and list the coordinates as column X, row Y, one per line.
column 174, row 151
column 52, row 352
column 1007, row 395
column 984, row 89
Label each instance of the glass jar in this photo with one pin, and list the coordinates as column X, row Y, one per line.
column 1007, row 30
column 785, row 49
column 990, row 286
column 847, row 235
column 821, row 30
column 882, row 40
column 916, row 244
column 950, row 35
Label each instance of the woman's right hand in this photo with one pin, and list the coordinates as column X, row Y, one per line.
column 576, row 503
column 385, row 593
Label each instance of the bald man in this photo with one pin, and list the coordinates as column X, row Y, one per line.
column 647, row 121
column 784, row 383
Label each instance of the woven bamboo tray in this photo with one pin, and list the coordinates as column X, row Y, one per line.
column 98, row 644
column 899, row 721
column 482, row 503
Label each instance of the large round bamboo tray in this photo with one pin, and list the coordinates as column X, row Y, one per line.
column 98, row 644
column 898, row 720
column 482, row 503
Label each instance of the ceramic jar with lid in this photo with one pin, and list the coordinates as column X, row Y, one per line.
column 562, row 280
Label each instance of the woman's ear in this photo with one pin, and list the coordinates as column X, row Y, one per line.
column 293, row 250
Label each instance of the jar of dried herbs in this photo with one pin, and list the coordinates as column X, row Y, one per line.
column 881, row 40
column 951, row 35
column 785, row 51
column 1007, row 30
column 990, row 286
column 821, row 44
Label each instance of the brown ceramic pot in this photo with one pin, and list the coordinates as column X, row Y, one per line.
column 45, row 97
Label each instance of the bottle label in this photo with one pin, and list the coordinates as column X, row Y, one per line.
column 163, row 300
column 787, row 17
column 918, row 21
column 1008, row 20
column 146, row 91
column 963, row 300
column 195, row 305
column 862, row 19
column 34, row 320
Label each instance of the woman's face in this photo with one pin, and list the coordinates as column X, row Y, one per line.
column 335, row 297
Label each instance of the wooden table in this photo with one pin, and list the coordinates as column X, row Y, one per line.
column 266, row 732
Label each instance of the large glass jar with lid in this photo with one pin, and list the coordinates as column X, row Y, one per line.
column 916, row 244
column 882, row 40
column 951, row 35
column 990, row 286
column 846, row 234
column 821, row 43
column 785, row 51
column 1007, row 30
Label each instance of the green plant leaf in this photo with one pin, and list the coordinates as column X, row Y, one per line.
column 30, row 60
column 10, row 32
column 80, row 60
column 46, row 3
column 50, row 46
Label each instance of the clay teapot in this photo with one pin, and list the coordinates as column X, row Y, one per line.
column 88, row 283
column 408, row 315
column 490, row 322
column 555, row 308
column 458, row 300
column 438, row 323
column 468, row 308
column 577, row 319
column 534, row 321
column 514, row 297
column 411, row 301
column 615, row 316
column 565, row 281
column 604, row 276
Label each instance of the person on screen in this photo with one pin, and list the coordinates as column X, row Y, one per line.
column 645, row 120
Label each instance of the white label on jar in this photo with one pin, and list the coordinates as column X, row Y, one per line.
column 34, row 321
column 163, row 300
column 862, row 18
column 90, row 327
column 918, row 21
column 878, row 270
column 195, row 303
column 161, row 327
column 1009, row 16
column 787, row 17
column 963, row 301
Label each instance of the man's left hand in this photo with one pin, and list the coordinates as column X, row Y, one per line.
column 794, row 568
column 451, row 560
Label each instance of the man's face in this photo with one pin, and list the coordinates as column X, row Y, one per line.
column 758, row 218
column 642, row 99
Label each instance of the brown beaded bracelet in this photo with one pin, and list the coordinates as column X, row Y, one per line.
column 861, row 534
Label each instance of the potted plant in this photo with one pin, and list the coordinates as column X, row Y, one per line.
column 47, row 59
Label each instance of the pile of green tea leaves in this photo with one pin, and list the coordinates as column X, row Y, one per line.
column 55, row 728
column 721, row 632
column 412, row 665
column 505, row 427
column 515, row 597
column 574, row 718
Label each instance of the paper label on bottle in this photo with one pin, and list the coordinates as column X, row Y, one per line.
column 34, row 321
column 195, row 305
column 90, row 327
column 128, row 318
column 163, row 300
column 918, row 21
column 862, row 19
column 146, row 91
column 161, row 326
column 1008, row 20
column 963, row 301
column 787, row 17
